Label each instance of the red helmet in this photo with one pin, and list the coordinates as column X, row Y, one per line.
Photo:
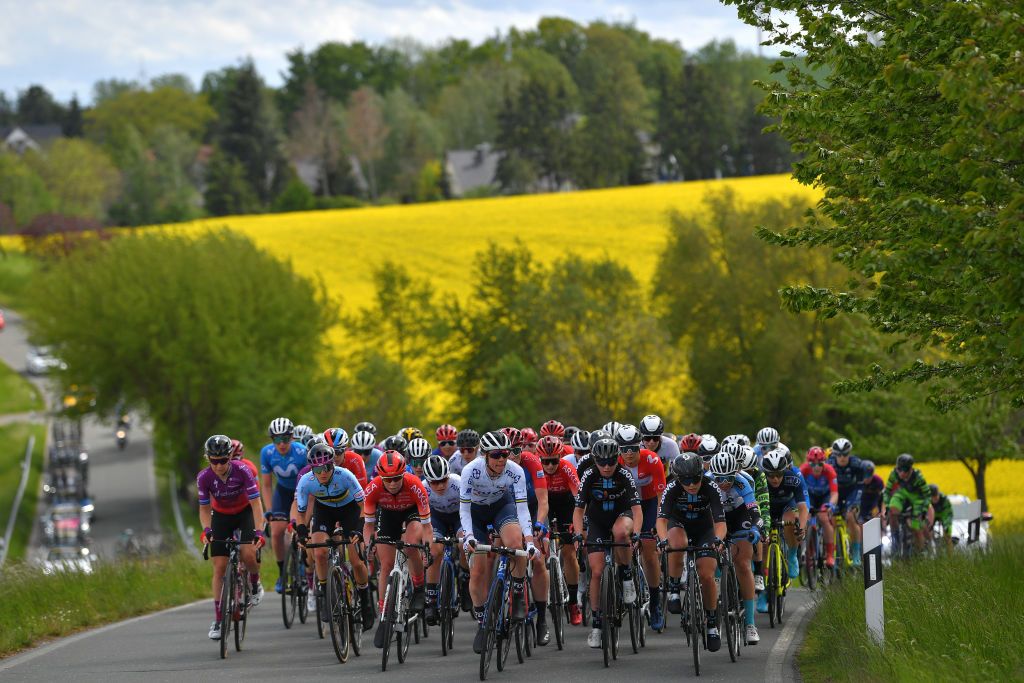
column 515, row 437
column 391, row 464
column 690, row 443
column 529, row 435
column 816, row 454
column 237, row 449
column 549, row 447
column 446, row 433
column 552, row 428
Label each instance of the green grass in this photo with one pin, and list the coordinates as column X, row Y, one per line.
column 17, row 394
column 14, row 439
column 16, row 270
column 34, row 606
column 949, row 619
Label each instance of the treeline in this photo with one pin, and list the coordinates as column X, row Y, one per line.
column 562, row 106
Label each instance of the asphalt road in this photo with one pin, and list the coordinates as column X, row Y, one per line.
column 121, row 483
column 173, row 646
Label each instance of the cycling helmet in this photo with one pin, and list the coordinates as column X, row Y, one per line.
column 581, row 442
column 446, row 432
column 733, row 449
column 628, row 437
column 529, row 435
column 280, row 426
column 320, row 454
column 767, row 436
column 237, row 449
column 494, row 441
column 396, row 443
column 336, row 438
column 934, row 488
column 436, row 468
column 391, row 464
column 366, row 427
column 549, row 447
column 363, row 441
column 687, row 466
column 724, row 463
column 775, row 461
column 553, row 428
column 652, row 425
column 727, row 440
column 815, row 454
column 905, row 462
column 785, row 450
column 842, row 446
column 748, row 458
column 569, row 431
column 301, row 431
column 315, row 439
column 605, row 451
column 308, row 438
column 611, row 427
column 743, row 439
column 467, row 438
column 599, row 434
column 868, row 467
column 218, row 446
column 689, row 443
column 708, row 447
column 515, row 437
column 419, row 449
column 410, row 433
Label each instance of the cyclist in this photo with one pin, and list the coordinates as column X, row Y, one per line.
column 691, row 514
column 871, row 493
column 238, row 453
column 300, row 432
column 788, row 502
column 537, row 503
column 530, row 439
column 364, row 445
column 708, row 449
column 649, row 475
column 553, row 428
column 446, row 435
column 563, row 485
column 652, row 436
column 823, row 496
column 609, row 501
column 337, row 439
column 419, row 451
column 283, row 458
column 849, row 478
column 493, row 493
column 577, row 450
column 743, row 523
column 767, row 439
column 229, row 500
column 397, row 506
column 444, row 489
column 397, row 443
column 749, row 465
column 468, row 443
column 907, row 489
column 366, row 427
column 326, row 498
column 942, row 512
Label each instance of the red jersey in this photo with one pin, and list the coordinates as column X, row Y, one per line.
column 564, row 479
column 252, row 468
column 354, row 464
column 533, row 468
column 412, row 494
column 649, row 474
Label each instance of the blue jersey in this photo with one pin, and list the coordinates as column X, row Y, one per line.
column 286, row 467
column 850, row 478
column 371, row 463
column 342, row 489
column 792, row 489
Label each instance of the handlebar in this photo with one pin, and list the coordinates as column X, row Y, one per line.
column 501, row 550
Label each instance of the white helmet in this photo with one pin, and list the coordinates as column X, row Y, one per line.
column 768, row 436
column 775, row 460
column 841, row 446
column 627, row 436
column 652, row 425
column 301, row 431
column 724, row 463
column 281, row 426
column 748, row 458
column 611, row 427
column 418, row 448
column 363, row 441
column 435, row 468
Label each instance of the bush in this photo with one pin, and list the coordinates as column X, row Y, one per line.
column 294, row 197
column 341, row 201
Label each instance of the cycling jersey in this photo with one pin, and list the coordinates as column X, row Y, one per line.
column 849, row 478
column 914, row 491
column 286, row 466
column 564, row 479
column 740, row 506
column 667, row 451
column 231, row 495
column 252, row 468
column 819, row 487
column 448, row 501
column 607, row 495
column 457, row 463
column 478, row 487
column 412, row 495
column 760, row 491
column 371, row 462
column 944, row 513
column 341, row 489
column 352, row 462
column 649, row 475
column 695, row 512
column 535, row 476
column 871, row 497
column 790, row 492
column 583, row 465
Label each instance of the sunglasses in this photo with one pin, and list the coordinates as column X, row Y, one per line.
column 629, row 451
column 218, row 461
column 690, row 481
column 320, row 469
column 650, row 438
column 417, row 462
column 500, row 455
column 282, row 439
column 446, row 443
column 904, row 469
column 392, row 480
column 817, row 464
column 606, row 462
column 774, row 475
column 725, row 478
column 549, row 461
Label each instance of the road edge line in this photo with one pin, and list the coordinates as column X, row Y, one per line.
column 792, row 635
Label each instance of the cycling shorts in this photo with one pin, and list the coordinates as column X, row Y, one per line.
column 904, row 500
column 600, row 527
column 818, row 500
column 701, row 536
column 390, row 523
column 737, row 523
column 327, row 518
column 445, row 524
column 282, row 503
column 777, row 509
column 497, row 514
column 849, row 501
column 224, row 527
column 649, row 506
column 560, row 510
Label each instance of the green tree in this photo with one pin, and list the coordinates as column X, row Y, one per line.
column 467, row 111
column 228, row 191
column 37, row 106
column 158, row 187
column 147, row 111
column 294, row 197
column 80, row 177
column 916, row 135
column 366, row 133
column 316, row 136
column 22, row 190
column 380, row 390
column 413, row 140
column 204, row 334
column 73, row 125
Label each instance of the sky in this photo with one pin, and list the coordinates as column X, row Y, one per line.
column 67, row 45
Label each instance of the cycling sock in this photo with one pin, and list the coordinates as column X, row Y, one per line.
column 758, row 564
column 748, row 605
column 216, row 609
column 280, row 568
column 711, row 616
column 431, row 592
column 674, row 584
column 625, row 572
column 595, row 618
column 518, row 583
column 254, row 580
column 573, row 589
column 417, row 581
column 365, row 586
column 310, row 579
column 478, row 613
column 655, row 594
column 541, row 611
column 854, row 548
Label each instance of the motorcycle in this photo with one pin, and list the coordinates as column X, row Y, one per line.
column 122, row 432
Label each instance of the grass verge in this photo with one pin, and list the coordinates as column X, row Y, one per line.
column 14, row 438
column 947, row 619
column 114, row 591
column 17, row 394
column 16, row 270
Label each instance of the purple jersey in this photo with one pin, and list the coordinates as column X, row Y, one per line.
column 228, row 496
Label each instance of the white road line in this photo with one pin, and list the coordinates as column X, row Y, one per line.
column 780, row 655
column 18, row 660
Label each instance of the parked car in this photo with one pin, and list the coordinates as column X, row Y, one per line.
column 40, row 360
column 2, row 323
column 69, row 559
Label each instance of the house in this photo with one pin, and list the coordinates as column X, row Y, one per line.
column 19, row 139
column 471, row 170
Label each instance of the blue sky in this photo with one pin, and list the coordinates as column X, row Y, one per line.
column 67, row 45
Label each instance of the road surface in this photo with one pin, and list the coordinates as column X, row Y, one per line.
column 173, row 646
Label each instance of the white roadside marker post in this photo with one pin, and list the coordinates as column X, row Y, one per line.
column 874, row 613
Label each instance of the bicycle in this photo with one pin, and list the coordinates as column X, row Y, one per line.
column 559, row 591
column 692, row 619
column 732, row 613
column 294, row 587
column 498, row 609
column 813, row 571
column 663, row 560
column 640, row 610
column 235, row 594
column 611, row 602
column 524, row 633
column 777, row 579
column 844, row 563
column 394, row 619
column 448, row 594
column 341, row 600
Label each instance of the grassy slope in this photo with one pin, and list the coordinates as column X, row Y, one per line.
column 14, row 438
column 15, row 271
column 951, row 619
column 17, row 394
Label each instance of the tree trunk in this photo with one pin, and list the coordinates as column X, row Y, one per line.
column 979, row 482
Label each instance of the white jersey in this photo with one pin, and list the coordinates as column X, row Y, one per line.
column 448, row 501
column 457, row 463
column 480, row 488
column 571, row 458
column 668, row 450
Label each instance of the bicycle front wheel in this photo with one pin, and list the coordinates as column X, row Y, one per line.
column 337, row 616
column 608, row 613
column 242, row 589
column 444, row 603
column 355, row 615
column 727, row 610
column 491, row 618
column 227, row 594
column 387, row 619
column 696, row 618
column 556, row 600
column 290, row 587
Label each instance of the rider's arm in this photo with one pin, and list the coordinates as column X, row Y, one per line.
column 833, row 486
column 522, row 510
column 638, row 517
column 257, row 512
column 802, row 514
column 466, row 501
column 542, row 504
column 205, row 516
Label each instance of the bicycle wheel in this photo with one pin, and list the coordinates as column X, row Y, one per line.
column 842, row 552
column 663, row 593
column 772, row 582
column 696, row 617
column 519, row 636
column 387, row 619
column 227, row 595
column 556, row 600
column 504, row 633
column 491, row 618
column 444, row 602
column 727, row 610
column 809, row 567
column 355, row 615
column 242, row 590
column 607, row 613
column 319, row 610
column 643, row 603
column 338, row 618
column 402, row 642
column 303, row 590
column 289, row 587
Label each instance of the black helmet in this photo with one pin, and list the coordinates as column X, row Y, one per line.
column 569, row 431
column 905, row 462
column 599, row 434
column 396, row 443
column 687, row 466
column 218, row 446
column 366, row 427
column 604, row 450
column 467, row 438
